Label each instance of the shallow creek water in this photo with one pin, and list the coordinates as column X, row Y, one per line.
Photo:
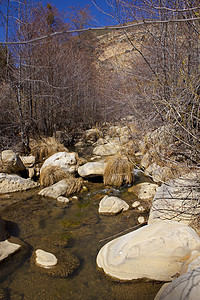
column 36, row 220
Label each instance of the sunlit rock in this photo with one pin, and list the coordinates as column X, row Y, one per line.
column 112, row 205
column 55, row 190
column 28, row 161
column 155, row 251
column 110, row 148
column 187, row 286
column 141, row 208
column 45, row 259
column 14, row 183
column 65, row 160
column 63, row 199
column 10, row 162
column 91, row 169
column 141, row 220
column 31, row 172
column 63, row 261
column 7, row 249
column 177, row 200
column 135, row 204
column 192, row 263
column 145, row 190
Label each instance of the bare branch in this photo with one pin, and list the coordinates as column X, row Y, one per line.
column 118, row 27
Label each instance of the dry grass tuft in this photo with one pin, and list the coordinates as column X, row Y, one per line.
column 74, row 185
column 52, row 174
column 46, row 147
column 118, row 171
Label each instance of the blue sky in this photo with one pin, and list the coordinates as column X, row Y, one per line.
column 99, row 18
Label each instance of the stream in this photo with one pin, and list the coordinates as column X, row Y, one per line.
column 78, row 228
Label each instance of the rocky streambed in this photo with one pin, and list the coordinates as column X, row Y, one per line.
column 75, row 232
column 78, row 237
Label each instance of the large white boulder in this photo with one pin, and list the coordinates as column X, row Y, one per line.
column 112, row 205
column 177, row 200
column 15, row 183
column 65, row 160
column 155, row 251
column 91, row 169
column 55, row 190
column 185, row 287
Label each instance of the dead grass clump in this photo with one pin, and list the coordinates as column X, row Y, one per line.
column 52, row 174
column 118, row 171
column 46, row 147
column 74, row 185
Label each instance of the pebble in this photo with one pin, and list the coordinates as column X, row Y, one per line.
column 136, row 204
column 141, row 220
column 141, row 208
column 63, row 199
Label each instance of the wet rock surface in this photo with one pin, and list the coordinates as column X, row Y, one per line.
column 16, row 259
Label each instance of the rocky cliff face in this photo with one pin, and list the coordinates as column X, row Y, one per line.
column 118, row 48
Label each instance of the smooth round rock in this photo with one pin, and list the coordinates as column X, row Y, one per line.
column 45, row 259
column 92, row 169
column 136, row 204
column 112, row 205
column 141, row 220
column 63, row 199
column 157, row 252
